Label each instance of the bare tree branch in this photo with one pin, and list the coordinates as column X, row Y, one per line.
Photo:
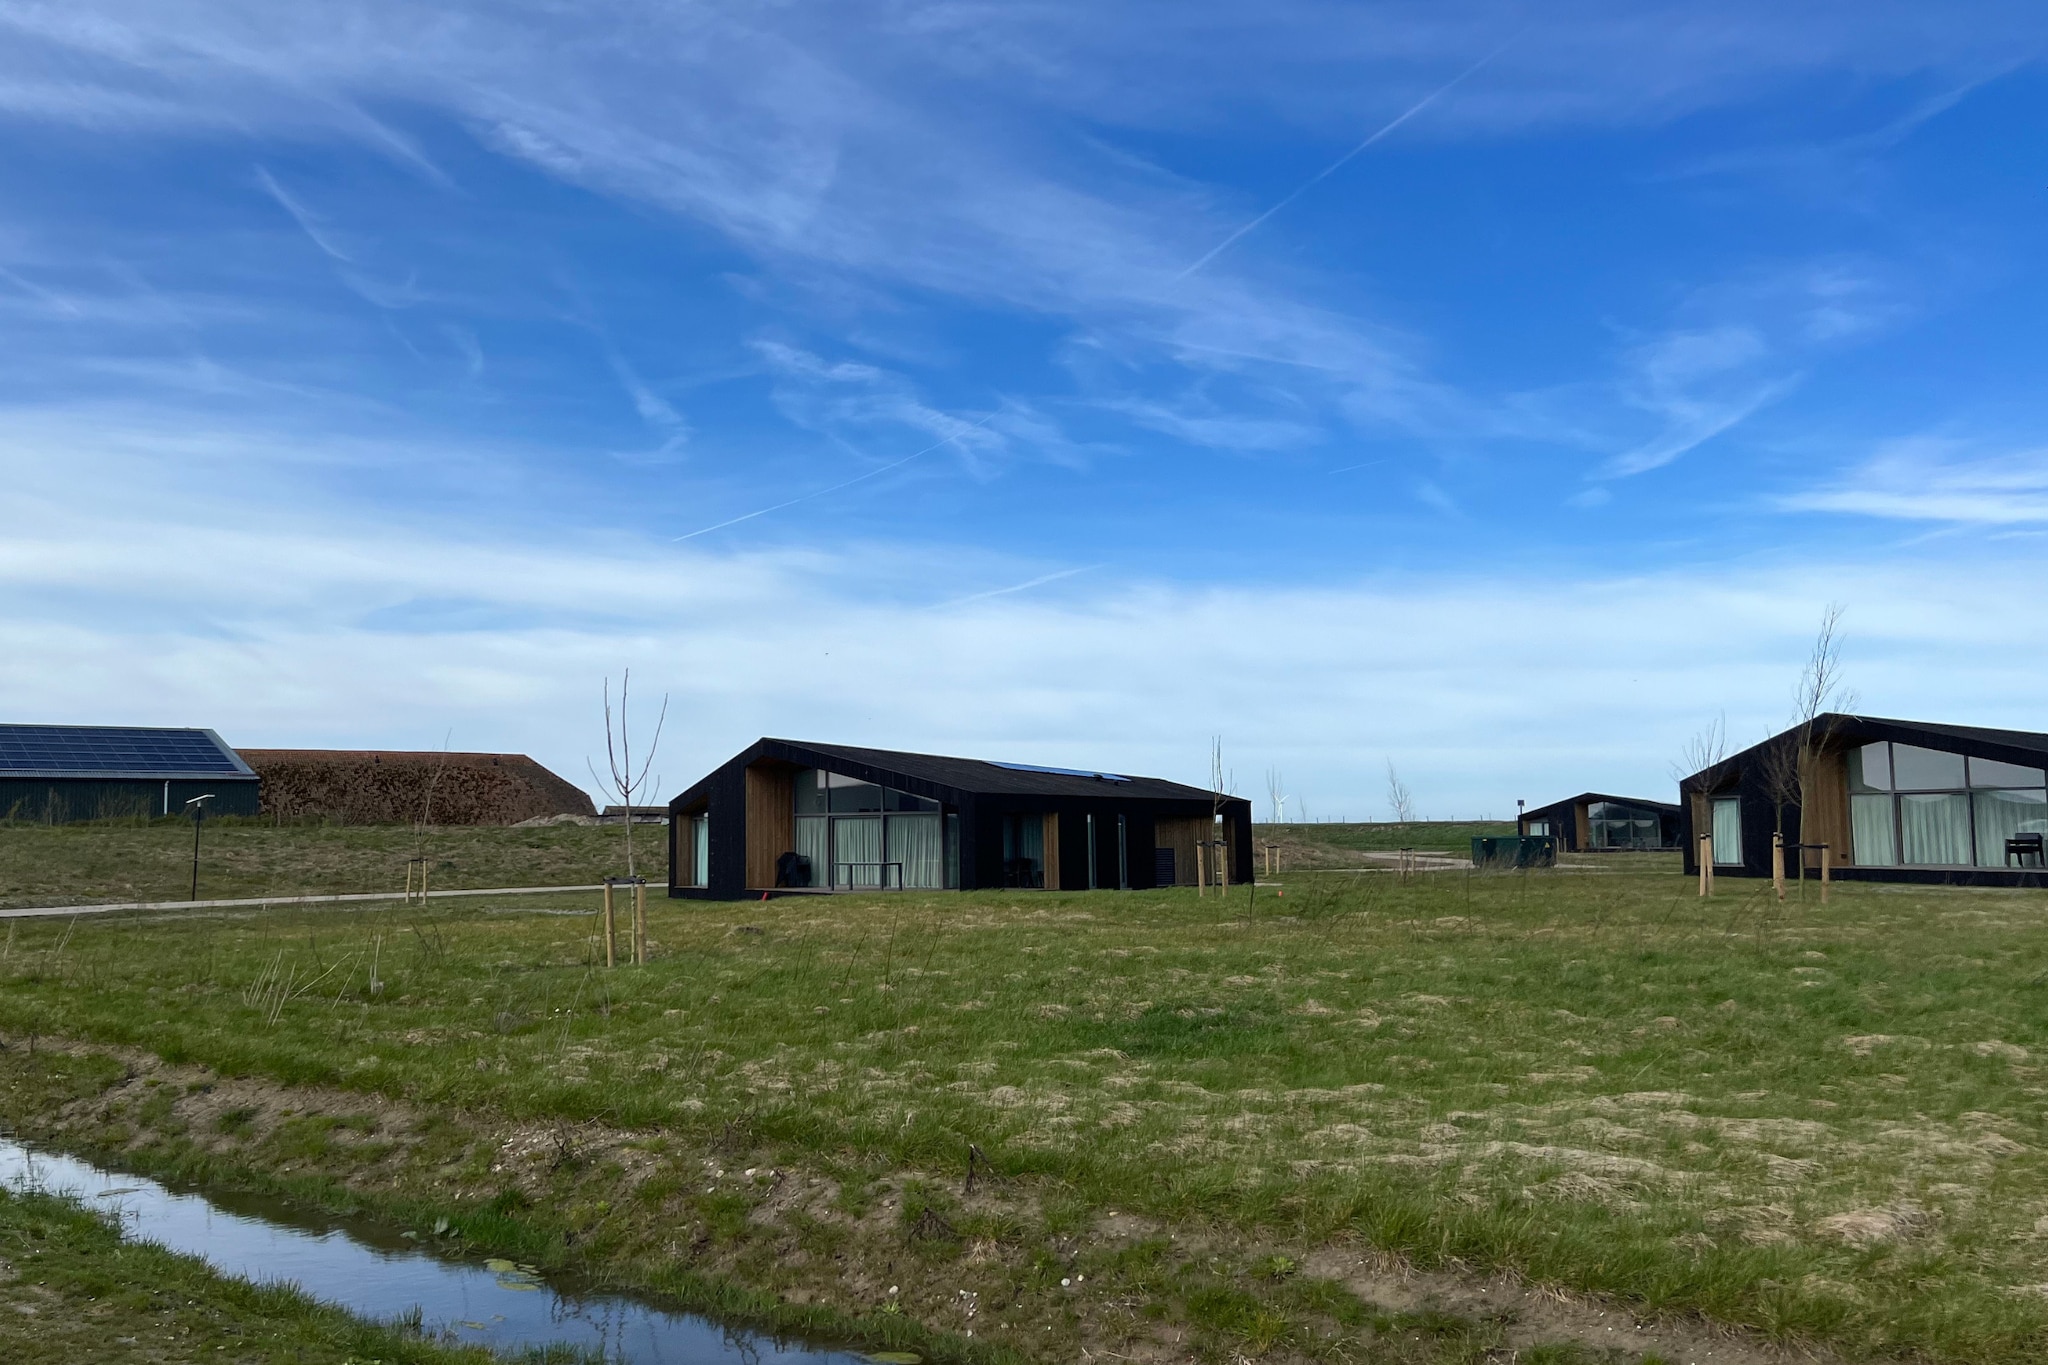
column 1399, row 800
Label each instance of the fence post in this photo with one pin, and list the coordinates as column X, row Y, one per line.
column 610, row 928
column 1778, row 864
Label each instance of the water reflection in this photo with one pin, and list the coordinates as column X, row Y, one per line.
column 375, row 1272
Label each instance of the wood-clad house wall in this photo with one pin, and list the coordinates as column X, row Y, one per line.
column 1051, row 840
column 1180, row 836
column 771, row 821
column 1824, row 808
column 1582, row 827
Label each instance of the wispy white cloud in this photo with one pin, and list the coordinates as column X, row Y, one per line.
column 1938, row 479
column 1740, row 346
column 913, row 152
column 367, row 627
column 316, row 231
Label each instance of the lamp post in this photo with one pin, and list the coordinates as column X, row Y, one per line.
column 197, row 805
column 1520, row 828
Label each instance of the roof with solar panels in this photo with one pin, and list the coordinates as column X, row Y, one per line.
column 116, row 752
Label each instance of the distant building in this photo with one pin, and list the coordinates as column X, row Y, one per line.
column 1594, row 822
column 784, row 814
column 1893, row 800
column 57, row 774
column 382, row 787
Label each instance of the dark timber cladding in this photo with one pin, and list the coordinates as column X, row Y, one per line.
column 56, row 774
column 787, row 816
column 1596, row 822
column 1889, row 800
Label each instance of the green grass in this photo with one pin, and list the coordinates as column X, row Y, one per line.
column 1821, row 1122
column 72, row 1290
column 125, row 861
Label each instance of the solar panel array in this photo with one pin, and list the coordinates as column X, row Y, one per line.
column 109, row 749
column 1059, row 772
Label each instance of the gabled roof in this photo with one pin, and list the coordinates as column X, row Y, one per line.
column 1585, row 797
column 895, row 767
column 116, row 751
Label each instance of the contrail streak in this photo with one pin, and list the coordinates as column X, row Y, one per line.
column 1337, row 165
column 1018, row 587
column 858, row 478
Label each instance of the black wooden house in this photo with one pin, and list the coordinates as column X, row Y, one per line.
column 794, row 817
column 1891, row 800
column 1595, row 822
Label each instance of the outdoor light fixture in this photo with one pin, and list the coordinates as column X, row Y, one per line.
column 197, row 805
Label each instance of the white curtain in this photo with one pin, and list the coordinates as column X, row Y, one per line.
column 857, row 840
column 814, row 841
column 916, row 842
column 1935, row 828
column 1871, row 832
column 1728, row 832
column 2000, row 815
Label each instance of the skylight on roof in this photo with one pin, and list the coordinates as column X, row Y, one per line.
column 1059, row 772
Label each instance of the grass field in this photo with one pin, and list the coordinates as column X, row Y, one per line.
column 71, row 1290
column 1823, row 1123
column 136, row 861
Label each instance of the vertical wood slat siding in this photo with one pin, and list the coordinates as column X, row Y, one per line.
column 1052, row 851
column 1180, row 836
column 771, row 822
column 1824, row 809
column 1582, row 828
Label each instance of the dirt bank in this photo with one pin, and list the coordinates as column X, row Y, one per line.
column 988, row 1269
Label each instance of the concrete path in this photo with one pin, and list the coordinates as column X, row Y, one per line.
column 263, row 901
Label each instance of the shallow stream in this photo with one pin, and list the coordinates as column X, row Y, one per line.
column 376, row 1272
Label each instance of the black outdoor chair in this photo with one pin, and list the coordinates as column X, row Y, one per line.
column 2023, row 847
column 792, row 869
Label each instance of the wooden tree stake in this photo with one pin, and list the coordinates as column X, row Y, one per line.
column 640, row 921
column 1778, row 864
column 611, row 948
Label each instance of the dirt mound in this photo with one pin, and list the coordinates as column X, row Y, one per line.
column 359, row 787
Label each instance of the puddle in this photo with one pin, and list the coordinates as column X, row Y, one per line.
column 375, row 1272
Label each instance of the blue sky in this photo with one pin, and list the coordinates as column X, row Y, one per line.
column 1497, row 390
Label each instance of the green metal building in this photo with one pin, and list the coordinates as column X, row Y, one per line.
column 56, row 774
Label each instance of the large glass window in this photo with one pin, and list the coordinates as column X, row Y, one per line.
column 857, row 853
column 1024, row 850
column 693, row 851
column 1934, row 827
column 1611, row 824
column 859, row 835
column 1919, row 770
column 1873, row 837
column 1870, row 768
column 1985, row 772
column 1727, row 831
column 917, row 848
column 2002, row 815
column 814, row 845
column 1949, row 811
